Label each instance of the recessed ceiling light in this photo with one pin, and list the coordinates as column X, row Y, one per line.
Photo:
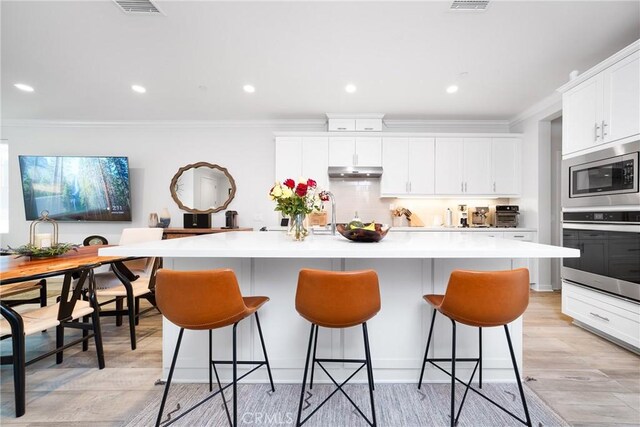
column 138, row 88
column 24, row 87
column 249, row 88
column 350, row 88
column 452, row 89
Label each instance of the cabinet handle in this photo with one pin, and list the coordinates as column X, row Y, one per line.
column 518, row 237
column 342, row 128
column 368, row 128
column 462, row 187
column 465, row 187
column 409, row 186
column 599, row 317
column 596, row 132
column 604, row 132
column 494, row 186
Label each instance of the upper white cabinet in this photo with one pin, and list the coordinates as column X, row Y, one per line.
column 604, row 106
column 621, row 113
column 505, row 166
column 477, row 166
column 408, row 166
column 355, row 151
column 359, row 123
column 306, row 157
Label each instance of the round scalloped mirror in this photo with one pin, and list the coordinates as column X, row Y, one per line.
column 202, row 188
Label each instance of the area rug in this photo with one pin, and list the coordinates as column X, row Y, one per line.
column 401, row 405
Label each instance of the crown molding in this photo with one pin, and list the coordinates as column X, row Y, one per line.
column 548, row 103
column 632, row 48
column 460, row 125
column 310, row 124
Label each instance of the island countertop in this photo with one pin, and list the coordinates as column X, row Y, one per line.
column 404, row 245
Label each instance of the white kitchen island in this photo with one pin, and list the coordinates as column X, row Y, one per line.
column 409, row 265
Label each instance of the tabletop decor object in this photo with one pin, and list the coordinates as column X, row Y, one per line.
column 296, row 200
column 33, row 251
column 372, row 232
column 165, row 218
column 43, row 240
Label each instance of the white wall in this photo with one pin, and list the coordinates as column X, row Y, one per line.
column 535, row 125
column 156, row 151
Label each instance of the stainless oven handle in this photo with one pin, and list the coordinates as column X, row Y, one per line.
column 626, row 228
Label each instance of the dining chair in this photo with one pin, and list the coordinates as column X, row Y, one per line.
column 129, row 281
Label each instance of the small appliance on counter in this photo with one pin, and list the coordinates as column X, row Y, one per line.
column 506, row 216
column 464, row 219
column 197, row 220
column 231, row 219
column 479, row 217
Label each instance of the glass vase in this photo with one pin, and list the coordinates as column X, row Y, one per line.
column 297, row 229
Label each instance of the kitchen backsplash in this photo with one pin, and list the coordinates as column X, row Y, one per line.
column 363, row 196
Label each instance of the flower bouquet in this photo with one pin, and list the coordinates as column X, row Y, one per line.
column 296, row 200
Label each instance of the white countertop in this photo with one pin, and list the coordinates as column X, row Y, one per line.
column 441, row 229
column 258, row 244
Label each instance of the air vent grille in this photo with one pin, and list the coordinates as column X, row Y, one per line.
column 469, row 5
column 145, row 7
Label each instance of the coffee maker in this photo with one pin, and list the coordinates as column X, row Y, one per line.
column 232, row 219
column 479, row 216
column 464, row 220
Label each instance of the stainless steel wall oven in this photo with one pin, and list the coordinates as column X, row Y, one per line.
column 609, row 244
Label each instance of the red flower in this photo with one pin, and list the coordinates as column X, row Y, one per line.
column 324, row 196
column 311, row 183
column 301, row 189
column 289, row 183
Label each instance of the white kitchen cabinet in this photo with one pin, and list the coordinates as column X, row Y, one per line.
column 355, row 151
column 477, row 166
column 408, row 165
column 621, row 112
column 617, row 318
column 505, row 166
column 342, row 125
column 368, row 125
column 449, row 178
column 602, row 108
column 306, row 157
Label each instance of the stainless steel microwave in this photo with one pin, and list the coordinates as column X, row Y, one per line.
column 603, row 178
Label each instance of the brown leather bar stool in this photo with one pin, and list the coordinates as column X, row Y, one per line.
column 207, row 300
column 337, row 300
column 481, row 299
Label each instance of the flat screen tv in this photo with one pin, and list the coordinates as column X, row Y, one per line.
column 76, row 188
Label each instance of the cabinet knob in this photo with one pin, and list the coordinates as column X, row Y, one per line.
column 604, row 132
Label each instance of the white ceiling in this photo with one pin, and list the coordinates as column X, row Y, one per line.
column 83, row 56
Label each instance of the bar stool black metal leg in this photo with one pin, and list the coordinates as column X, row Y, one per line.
column 264, row 352
column 224, row 399
column 304, row 377
column 313, row 362
column 480, row 357
column 210, row 361
column 453, row 372
column 367, row 352
column 515, row 369
column 426, row 350
column 235, row 376
column 166, row 387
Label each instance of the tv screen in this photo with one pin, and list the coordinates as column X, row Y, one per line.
column 76, row 188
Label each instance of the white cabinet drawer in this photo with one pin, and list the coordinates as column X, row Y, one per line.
column 342, row 125
column 525, row 236
column 369, row 125
column 613, row 316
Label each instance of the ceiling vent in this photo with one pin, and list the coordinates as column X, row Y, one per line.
column 138, row 7
column 473, row 5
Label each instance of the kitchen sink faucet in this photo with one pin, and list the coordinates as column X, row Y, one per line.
column 333, row 211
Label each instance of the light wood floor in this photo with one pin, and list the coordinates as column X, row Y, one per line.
column 585, row 379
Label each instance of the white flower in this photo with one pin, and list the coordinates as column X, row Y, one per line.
column 286, row 192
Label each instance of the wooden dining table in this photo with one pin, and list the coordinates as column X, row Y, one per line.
column 77, row 263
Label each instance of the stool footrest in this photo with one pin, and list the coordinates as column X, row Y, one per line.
column 341, row 360
column 239, row 362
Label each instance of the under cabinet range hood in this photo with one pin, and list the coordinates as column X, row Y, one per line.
column 361, row 172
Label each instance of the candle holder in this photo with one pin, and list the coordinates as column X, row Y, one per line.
column 39, row 240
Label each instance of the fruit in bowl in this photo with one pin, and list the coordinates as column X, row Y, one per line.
column 372, row 232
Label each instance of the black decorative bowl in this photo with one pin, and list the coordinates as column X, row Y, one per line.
column 362, row 235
